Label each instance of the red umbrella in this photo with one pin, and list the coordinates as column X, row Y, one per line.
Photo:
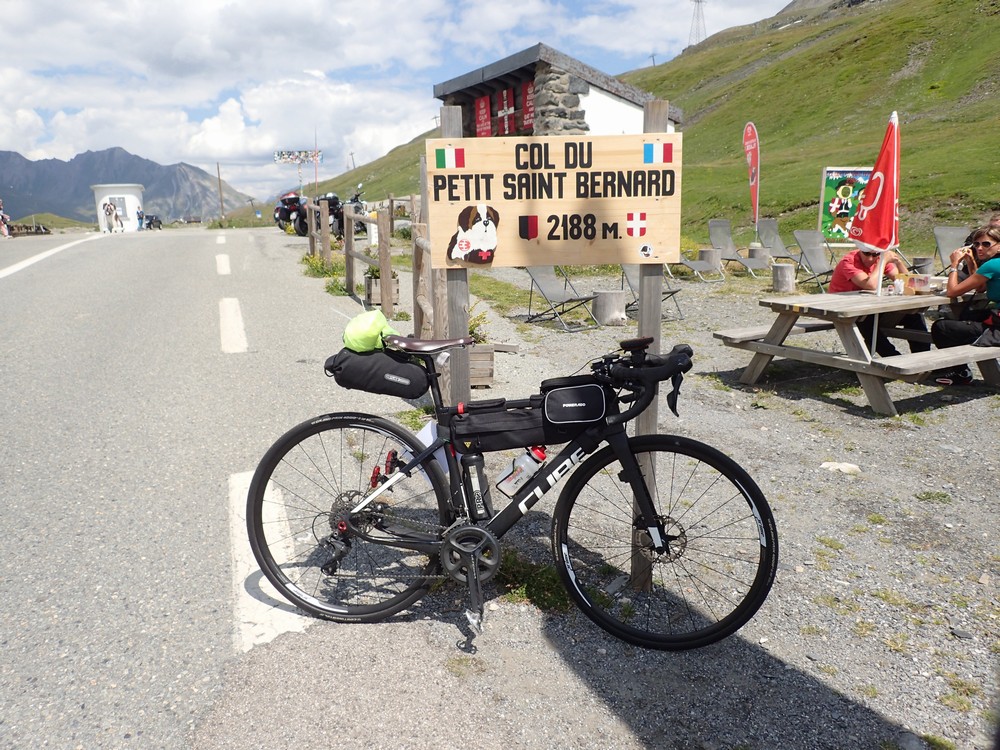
column 751, row 146
column 876, row 224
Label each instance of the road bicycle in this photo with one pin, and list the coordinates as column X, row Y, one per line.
column 661, row 540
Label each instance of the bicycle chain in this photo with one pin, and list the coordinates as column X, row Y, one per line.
column 416, row 526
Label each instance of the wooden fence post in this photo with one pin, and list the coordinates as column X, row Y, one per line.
column 457, row 291
column 656, row 119
column 349, row 276
column 324, row 231
column 385, row 263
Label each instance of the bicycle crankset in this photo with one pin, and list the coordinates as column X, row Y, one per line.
column 464, row 546
column 471, row 554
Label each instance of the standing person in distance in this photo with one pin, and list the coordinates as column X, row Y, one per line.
column 4, row 220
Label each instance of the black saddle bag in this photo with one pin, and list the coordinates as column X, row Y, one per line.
column 385, row 372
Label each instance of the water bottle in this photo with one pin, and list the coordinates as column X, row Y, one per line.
column 521, row 470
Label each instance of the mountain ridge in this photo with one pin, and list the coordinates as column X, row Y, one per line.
column 63, row 188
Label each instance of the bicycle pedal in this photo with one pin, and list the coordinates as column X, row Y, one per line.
column 475, row 621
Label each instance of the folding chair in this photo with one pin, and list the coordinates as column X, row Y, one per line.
column 703, row 269
column 630, row 278
column 721, row 236
column 817, row 257
column 559, row 296
column 770, row 238
column 948, row 239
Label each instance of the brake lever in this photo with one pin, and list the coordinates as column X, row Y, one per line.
column 675, row 392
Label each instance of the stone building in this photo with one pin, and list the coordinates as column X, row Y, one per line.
column 541, row 91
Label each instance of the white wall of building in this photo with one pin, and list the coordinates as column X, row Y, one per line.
column 128, row 200
column 607, row 114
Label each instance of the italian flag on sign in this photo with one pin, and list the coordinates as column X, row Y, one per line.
column 449, row 158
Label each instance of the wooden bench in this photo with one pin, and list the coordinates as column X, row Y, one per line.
column 733, row 336
column 916, row 366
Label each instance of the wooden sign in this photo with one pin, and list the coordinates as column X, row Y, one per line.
column 562, row 200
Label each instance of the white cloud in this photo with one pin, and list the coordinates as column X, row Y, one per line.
column 216, row 81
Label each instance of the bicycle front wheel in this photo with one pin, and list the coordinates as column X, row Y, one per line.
column 301, row 531
column 720, row 560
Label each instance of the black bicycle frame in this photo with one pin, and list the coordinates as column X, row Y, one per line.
column 547, row 477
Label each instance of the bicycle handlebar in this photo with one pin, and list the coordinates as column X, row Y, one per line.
column 641, row 373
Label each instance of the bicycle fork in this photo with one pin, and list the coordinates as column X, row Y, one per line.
column 648, row 531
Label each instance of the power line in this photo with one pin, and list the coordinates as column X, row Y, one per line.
column 697, row 23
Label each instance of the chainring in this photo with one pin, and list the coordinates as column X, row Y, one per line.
column 469, row 543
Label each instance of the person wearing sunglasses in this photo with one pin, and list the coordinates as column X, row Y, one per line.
column 973, row 324
column 967, row 266
column 858, row 270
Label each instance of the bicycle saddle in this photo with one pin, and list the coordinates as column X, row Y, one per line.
column 426, row 346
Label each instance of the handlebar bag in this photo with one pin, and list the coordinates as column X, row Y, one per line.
column 384, row 371
column 485, row 431
column 570, row 406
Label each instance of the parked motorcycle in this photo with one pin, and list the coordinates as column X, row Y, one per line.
column 356, row 205
column 336, row 211
column 288, row 204
column 299, row 218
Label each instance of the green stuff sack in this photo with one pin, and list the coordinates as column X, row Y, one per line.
column 364, row 332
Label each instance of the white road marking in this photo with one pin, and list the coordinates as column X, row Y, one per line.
column 222, row 265
column 234, row 337
column 9, row 270
column 220, row 240
column 260, row 614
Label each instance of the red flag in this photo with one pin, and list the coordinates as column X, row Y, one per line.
column 484, row 128
column 751, row 146
column 876, row 224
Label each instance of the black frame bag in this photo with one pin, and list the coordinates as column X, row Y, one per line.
column 570, row 406
column 385, row 372
column 492, row 427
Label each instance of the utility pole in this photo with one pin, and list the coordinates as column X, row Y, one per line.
column 222, row 208
column 353, row 165
column 653, row 58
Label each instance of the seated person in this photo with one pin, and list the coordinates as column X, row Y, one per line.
column 859, row 270
column 966, row 267
column 945, row 333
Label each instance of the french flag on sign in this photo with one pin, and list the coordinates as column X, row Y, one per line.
column 449, row 158
column 657, row 153
column 635, row 224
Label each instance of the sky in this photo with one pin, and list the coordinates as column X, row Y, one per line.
column 211, row 83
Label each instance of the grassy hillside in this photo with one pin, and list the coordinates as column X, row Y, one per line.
column 820, row 86
column 54, row 222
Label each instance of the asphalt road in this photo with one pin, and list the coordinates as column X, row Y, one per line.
column 143, row 375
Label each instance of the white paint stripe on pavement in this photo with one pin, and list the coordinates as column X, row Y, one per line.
column 260, row 614
column 9, row 270
column 222, row 265
column 234, row 337
column 220, row 240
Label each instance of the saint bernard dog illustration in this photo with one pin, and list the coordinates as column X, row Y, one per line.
column 475, row 241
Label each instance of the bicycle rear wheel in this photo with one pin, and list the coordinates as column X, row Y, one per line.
column 297, row 512
column 722, row 555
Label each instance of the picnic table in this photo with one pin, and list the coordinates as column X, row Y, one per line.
column 806, row 313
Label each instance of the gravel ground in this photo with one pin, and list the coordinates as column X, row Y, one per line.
column 881, row 630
